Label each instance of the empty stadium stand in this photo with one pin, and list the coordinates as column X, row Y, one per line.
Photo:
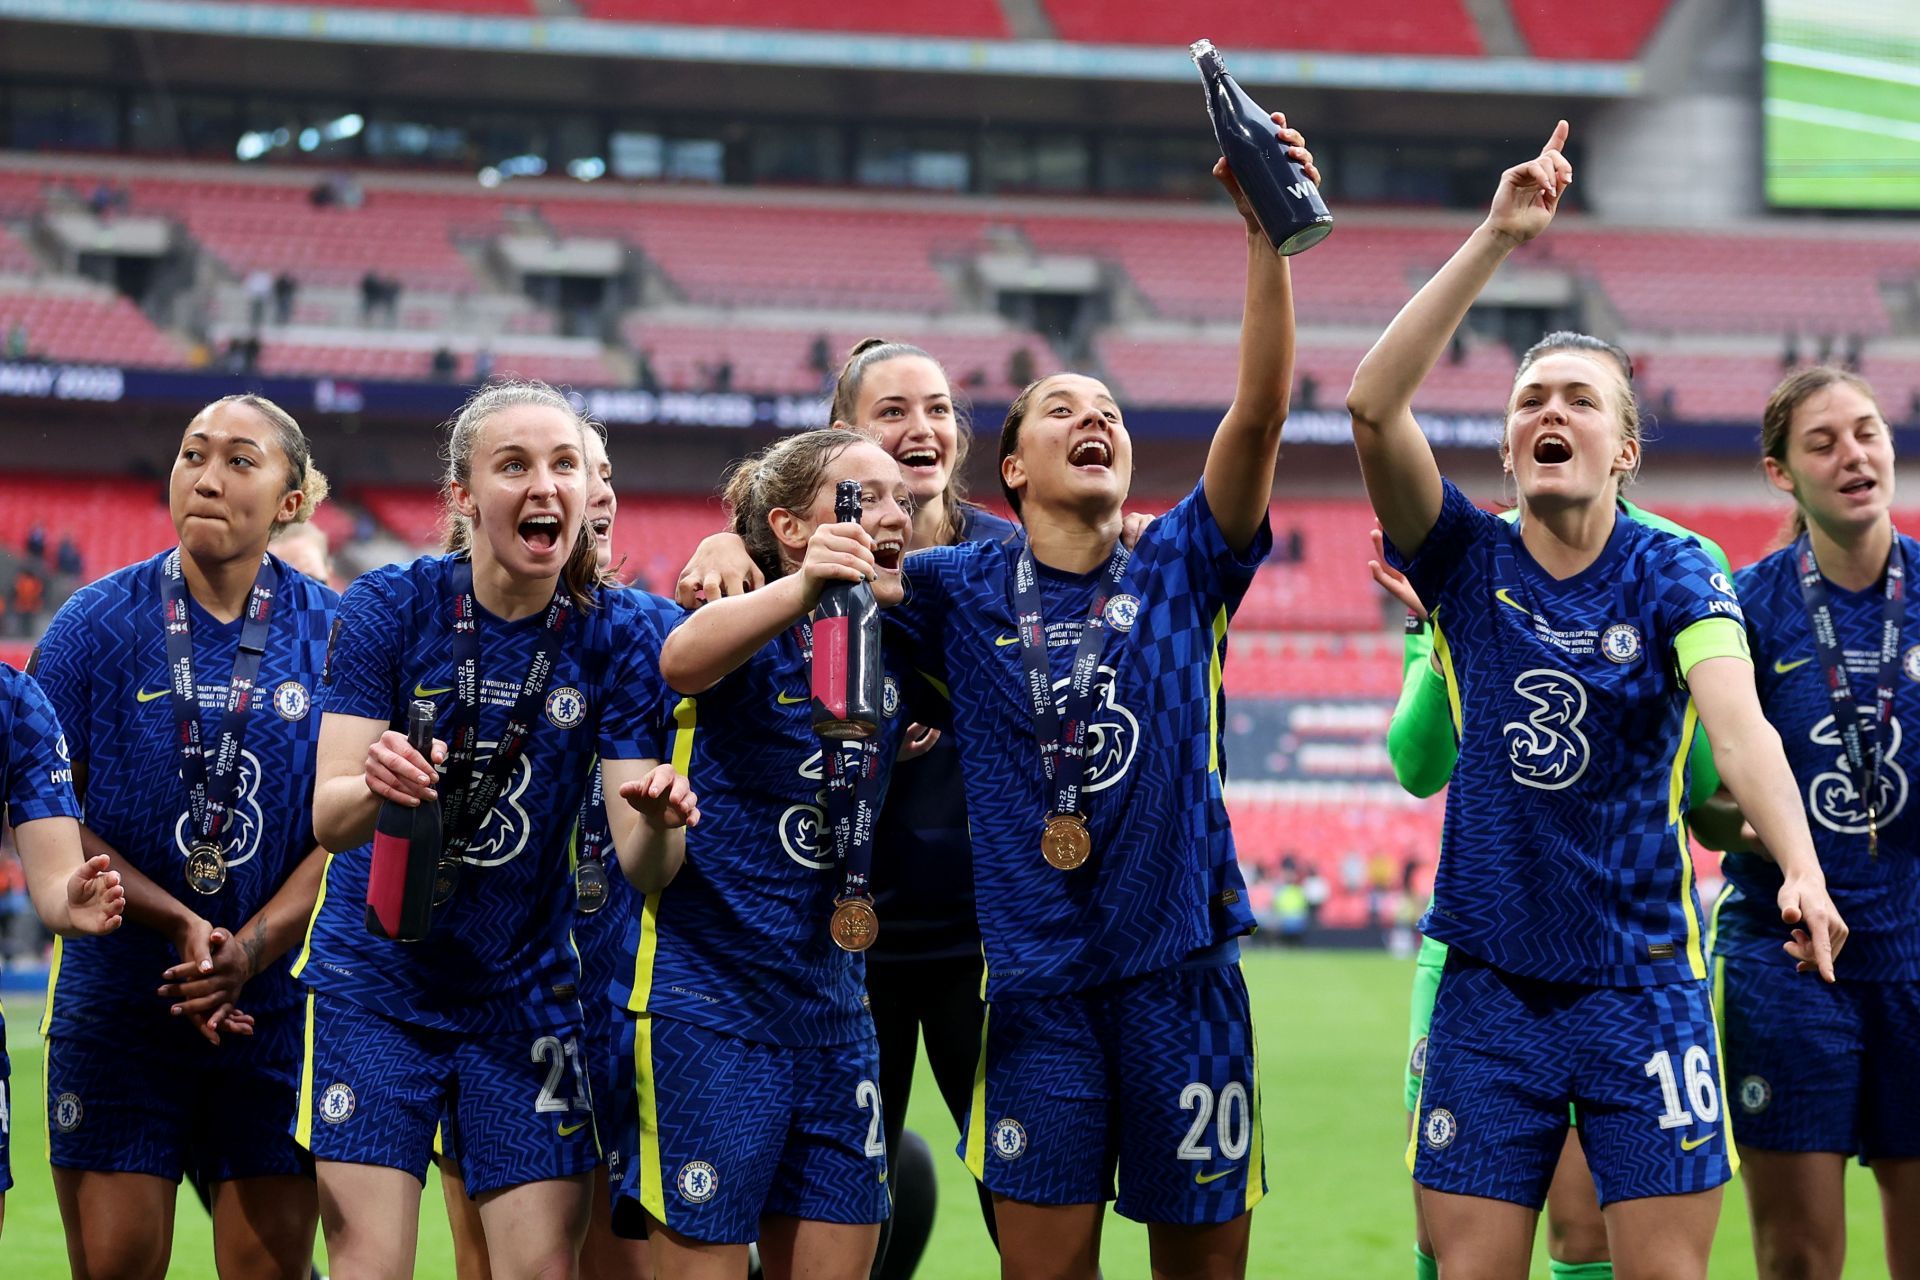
column 915, row 17
column 1348, row 26
column 85, row 323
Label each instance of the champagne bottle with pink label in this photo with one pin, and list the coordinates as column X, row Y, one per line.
column 406, row 851
column 848, row 679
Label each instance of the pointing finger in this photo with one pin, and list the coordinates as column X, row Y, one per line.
column 1558, row 141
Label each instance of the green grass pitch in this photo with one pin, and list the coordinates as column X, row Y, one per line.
column 1332, row 1033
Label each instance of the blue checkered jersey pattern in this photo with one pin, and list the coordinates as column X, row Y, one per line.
column 36, row 777
column 738, row 941
column 1163, row 880
column 103, row 663
column 1879, row 897
column 1566, row 853
column 500, row 955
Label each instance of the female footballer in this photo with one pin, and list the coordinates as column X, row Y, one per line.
column 923, row 971
column 74, row 895
column 1816, row 1075
column 602, row 905
column 185, row 684
column 1084, row 684
column 746, row 986
column 1579, row 649
column 533, row 669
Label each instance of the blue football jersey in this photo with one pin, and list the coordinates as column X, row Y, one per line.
column 1163, row 881
column 1878, row 896
column 36, row 776
column 500, row 955
column 922, row 857
column 738, row 940
column 1567, row 854
column 103, row 663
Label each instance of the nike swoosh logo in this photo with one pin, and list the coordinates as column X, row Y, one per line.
column 1203, row 1179
column 148, row 695
column 568, row 1130
column 1690, row 1144
column 786, row 701
column 421, row 691
column 1502, row 596
column 1003, row 641
column 1781, row 668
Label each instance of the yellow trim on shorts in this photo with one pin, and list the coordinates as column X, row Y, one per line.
column 653, row 1195
column 1256, row 1156
column 303, row 1110
column 1413, row 1130
column 1720, row 1060
column 319, row 901
column 1677, row 819
column 53, row 980
column 976, row 1153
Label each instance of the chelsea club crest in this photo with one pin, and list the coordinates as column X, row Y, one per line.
column 566, row 707
column 291, row 701
column 1620, row 642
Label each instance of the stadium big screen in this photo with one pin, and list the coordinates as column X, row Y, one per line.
column 1843, row 104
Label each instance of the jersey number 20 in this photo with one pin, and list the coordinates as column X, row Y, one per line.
column 1235, row 1120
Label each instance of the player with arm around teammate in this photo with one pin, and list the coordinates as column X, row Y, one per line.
column 1579, row 648
column 1817, row 1074
column 1084, row 684
column 759, row 1111
column 185, row 684
column 73, row 895
column 923, row 971
column 534, row 669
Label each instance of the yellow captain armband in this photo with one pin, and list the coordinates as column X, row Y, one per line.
column 1711, row 638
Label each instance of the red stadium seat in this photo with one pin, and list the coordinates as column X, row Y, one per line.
column 921, row 18
column 777, row 360
column 88, row 327
column 1574, row 30
column 1348, row 26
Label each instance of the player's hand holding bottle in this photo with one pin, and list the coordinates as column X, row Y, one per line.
column 397, row 772
column 836, row 553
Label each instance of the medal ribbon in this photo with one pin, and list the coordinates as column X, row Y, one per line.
column 210, row 789
column 851, row 770
column 465, row 801
column 1865, row 744
column 1063, row 739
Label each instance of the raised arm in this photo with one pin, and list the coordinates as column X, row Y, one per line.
column 1754, row 767
column 1239, row 472
column 1403, row 481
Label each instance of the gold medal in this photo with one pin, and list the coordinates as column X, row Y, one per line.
column 1065, row 842
column 206, row 868
column 855, row 924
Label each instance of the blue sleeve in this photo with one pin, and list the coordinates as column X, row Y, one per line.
column 638, row 702
column 1751, row 593
column 1692, row 589
column 362, row 671
column 38, row 781
column 1459, row 526
column 63, row 664
column 1190, row 532
column 915, row 629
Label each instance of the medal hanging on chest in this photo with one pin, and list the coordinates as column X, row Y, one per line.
column 850, row 768
column 1066, row 841
column 468, row 800
column 211, row 786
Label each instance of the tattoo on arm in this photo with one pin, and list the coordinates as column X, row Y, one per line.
column 254, row 941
